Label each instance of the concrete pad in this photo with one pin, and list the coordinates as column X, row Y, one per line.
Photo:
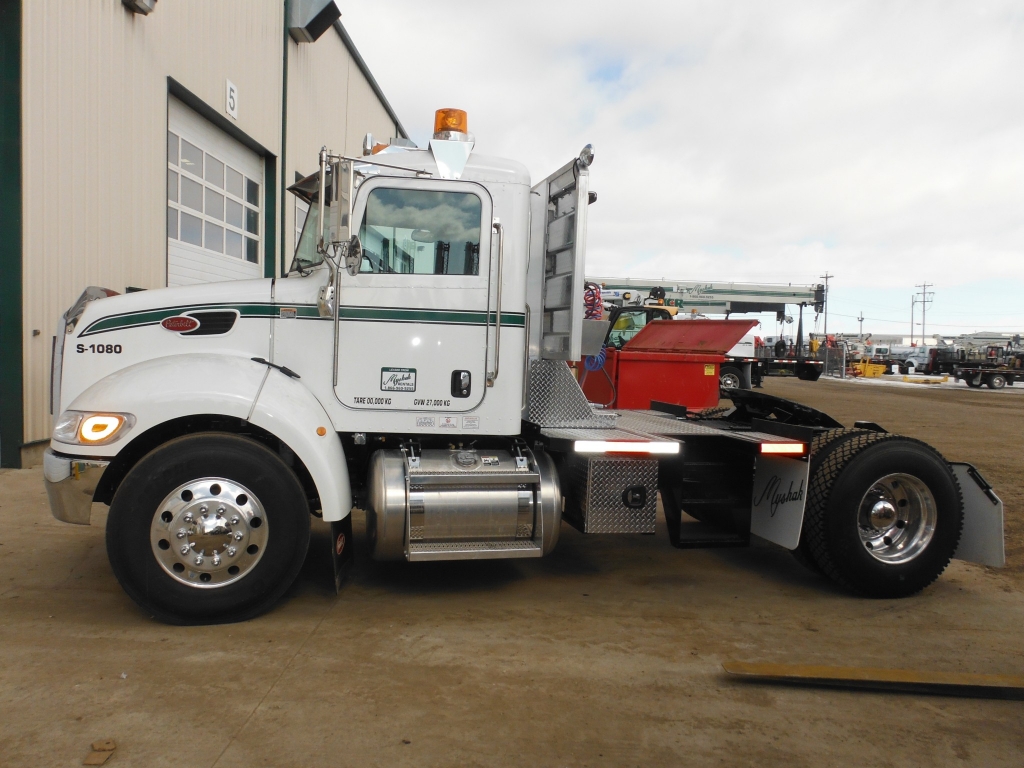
column 606, row 653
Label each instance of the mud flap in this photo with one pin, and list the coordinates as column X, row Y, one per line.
column 780, row 494
column 982, row 539
column 341, row 549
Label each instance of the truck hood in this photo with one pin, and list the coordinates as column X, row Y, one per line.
column 168, row 301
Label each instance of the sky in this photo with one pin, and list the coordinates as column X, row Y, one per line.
column 761, row 141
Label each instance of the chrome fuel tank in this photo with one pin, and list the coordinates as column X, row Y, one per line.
column 458, row 501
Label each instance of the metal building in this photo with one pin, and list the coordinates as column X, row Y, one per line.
column 145, row 144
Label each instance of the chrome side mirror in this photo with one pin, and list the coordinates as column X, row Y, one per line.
column 353, row 256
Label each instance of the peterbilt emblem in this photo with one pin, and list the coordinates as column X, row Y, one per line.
column 180, row 323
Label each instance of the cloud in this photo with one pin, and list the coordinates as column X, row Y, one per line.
column 766, row 141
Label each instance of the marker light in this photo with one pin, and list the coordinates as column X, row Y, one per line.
column 786, row 449
column 450, row 120
column 624, row 446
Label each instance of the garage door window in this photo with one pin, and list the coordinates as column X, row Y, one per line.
column 210, row 204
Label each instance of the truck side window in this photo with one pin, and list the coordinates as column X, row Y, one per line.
column 412, row 231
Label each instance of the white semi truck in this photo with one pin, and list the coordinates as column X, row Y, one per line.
column 412, row 364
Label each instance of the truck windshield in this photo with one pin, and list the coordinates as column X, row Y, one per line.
column 306, row 254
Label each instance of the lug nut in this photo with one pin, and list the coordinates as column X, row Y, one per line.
column 235, row 520
column 188, row 518
column 216, row 560
column 239, row 536
column 182, row 533
column 221, row 510
column 185, row 549
column 203, row 509
column 198, row 560
column 231, row 551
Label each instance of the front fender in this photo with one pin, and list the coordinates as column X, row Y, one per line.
column 291, row 412
column 165, row 388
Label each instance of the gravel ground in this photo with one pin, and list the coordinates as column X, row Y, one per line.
column 608, row 652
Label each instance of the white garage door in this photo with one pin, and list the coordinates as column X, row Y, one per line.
column 214, row 202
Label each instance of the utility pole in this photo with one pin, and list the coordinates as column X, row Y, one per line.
column 926, row 299
column 860, row 319
column 913, row 303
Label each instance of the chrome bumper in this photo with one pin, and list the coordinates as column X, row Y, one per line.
column 71, row 484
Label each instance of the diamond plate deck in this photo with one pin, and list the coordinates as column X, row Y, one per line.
column 658, row 423
column 556, row 400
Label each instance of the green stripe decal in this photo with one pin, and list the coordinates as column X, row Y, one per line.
column 460, row 317
column 308, row 312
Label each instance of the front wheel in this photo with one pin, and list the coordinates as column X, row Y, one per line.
column 208, row 528
column 884, row 514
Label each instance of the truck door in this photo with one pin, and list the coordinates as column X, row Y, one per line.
column 416, row 320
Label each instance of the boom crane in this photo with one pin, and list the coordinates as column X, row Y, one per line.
column 743, row 368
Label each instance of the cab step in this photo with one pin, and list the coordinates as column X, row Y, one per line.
column 473, row 550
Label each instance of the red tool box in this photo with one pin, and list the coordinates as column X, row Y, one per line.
column 672, row 361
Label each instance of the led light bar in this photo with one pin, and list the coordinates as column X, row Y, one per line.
column 625, row 446
column 786, row 449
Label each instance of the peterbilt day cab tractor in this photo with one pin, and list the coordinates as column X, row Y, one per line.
column 413, row 364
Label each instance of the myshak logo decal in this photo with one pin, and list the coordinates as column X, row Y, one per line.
column 398, row 379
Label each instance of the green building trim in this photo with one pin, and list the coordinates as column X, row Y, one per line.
column 12, row 426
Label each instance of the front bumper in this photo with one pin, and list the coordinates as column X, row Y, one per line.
column 71, row 484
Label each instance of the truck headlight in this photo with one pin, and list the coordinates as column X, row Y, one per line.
column 85, row 428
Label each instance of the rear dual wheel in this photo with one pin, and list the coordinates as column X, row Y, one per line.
column 884, row 513
column 208, row 528
column 730, row 377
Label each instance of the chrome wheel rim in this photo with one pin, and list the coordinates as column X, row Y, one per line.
column 896, row 518
column 730, row 381
column 209, row 533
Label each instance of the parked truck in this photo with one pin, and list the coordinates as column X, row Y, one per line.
column 413, row 364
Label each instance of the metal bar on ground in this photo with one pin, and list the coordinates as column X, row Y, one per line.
column 963, row 684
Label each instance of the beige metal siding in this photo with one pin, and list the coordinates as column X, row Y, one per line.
column 366, row 113
column 330, row 103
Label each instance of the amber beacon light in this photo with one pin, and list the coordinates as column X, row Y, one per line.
column 448, row 121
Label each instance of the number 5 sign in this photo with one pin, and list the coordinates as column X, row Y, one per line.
column 231, row 99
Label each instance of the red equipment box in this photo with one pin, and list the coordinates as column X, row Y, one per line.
column 672, row 361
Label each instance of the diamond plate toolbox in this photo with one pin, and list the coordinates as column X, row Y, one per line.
column 597, row 489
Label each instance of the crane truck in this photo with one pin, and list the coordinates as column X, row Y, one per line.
column 747, row 363
column 413, row 364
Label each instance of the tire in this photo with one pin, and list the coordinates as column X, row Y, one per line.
column 996, row 381
column 974, row 382
column 236, row 508
column 863, row 552
column 821, row 441
column 730, row 377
